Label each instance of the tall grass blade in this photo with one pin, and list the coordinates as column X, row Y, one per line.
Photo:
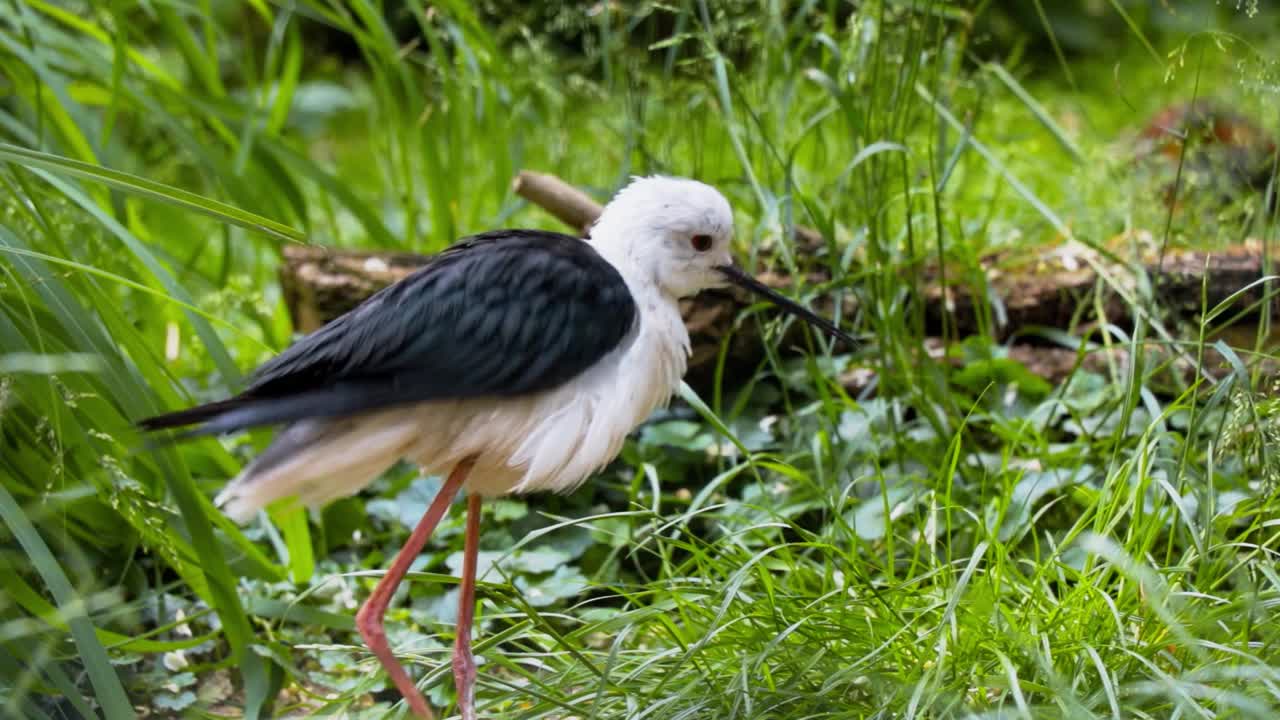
column 147, row 188
column 106, row 683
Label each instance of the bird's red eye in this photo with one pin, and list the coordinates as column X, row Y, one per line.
column 701, row 243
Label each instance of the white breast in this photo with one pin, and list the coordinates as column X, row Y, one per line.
column 556, row 439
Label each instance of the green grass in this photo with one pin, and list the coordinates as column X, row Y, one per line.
column 964, row 541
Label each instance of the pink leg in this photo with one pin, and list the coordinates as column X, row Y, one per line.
column 464, row 664
column 369, row 617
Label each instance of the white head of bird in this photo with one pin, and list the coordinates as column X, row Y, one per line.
column 671, row 232
column 674, row 234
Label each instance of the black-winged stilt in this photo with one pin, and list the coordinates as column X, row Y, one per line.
column 515, row 361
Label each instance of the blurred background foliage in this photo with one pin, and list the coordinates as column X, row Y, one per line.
column 962, row 540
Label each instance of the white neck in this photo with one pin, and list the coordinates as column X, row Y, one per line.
column 661, row 334
column 627, row 254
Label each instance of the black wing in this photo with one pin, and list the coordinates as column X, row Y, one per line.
column 502, row 313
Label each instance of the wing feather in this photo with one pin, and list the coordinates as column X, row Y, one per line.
column 504, row 313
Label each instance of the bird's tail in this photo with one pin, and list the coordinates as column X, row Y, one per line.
column 318, row 461
column 191, row 415
column 192, row 421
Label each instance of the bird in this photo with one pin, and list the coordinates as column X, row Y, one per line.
column 514, row 361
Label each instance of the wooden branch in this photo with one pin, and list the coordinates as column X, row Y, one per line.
column 567, row 203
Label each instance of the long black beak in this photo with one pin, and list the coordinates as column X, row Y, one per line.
column 736, row 276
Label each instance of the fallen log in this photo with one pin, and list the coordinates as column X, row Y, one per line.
column 1058, row 289
column 1063, row 291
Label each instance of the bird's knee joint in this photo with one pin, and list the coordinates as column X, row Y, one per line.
column 373, row 635
column 463, row 663
column 370, row 626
